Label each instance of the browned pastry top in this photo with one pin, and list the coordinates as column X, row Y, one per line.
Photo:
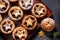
column 4, row 6
column 39, row 10
column 15, row 13
column 29, row 22
column 20, row 32
column 7, row 26
column 48, row 24
column 12, row 0
column 26, row 4
column 0, row 18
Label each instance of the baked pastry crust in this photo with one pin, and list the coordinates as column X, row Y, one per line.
column 15, row 13
column 7, row 26
column 4, row 6
column 26, row 4
column 20, row 32
column 48, row 24
column 39, row 10
column 29, row 22
column 13, row 0
column 0, row 18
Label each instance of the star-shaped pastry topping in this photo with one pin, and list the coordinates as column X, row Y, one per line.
column 40, row 11
column 20, row 34
column 16, row 13
column 2, row 5
column 26, row 2
column 7, row 26
column 29, row 22
column 41, row 34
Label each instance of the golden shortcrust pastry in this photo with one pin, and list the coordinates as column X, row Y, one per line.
column 29, row 22
column 20, row 32
column 48, row 24
column 4, row 6
column 0, row 18
column 26, row 4
column 7, row 26
column 12, row 0
column 39, row 10
column 15, row 13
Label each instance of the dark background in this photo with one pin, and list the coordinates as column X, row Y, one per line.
column 54, row 5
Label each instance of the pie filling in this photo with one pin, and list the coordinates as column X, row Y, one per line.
column 47, row 23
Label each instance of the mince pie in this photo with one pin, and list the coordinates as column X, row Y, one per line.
column 48, row 24
column 7, row 26
column 4, row 6
column 15, row 13
column 29, row 22
column 20, row 33
column 26, row 4
column 39, row 10
column 0, row 18
column 13, row 0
